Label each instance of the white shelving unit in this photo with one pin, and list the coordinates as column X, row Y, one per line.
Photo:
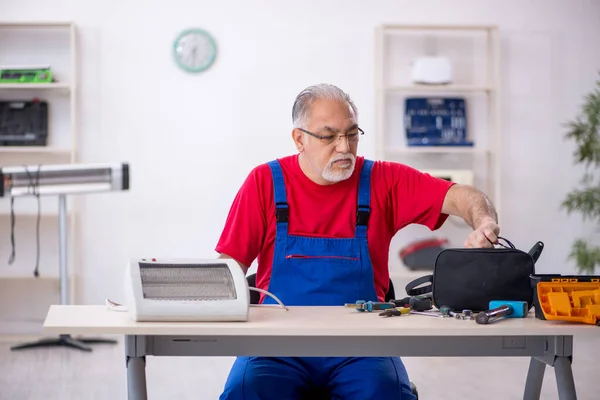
column 54, row 44
column 475, row 58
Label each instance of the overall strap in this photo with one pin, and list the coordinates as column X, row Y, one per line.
column 363, row 209
column 281, row 205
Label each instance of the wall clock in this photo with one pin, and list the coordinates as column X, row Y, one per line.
column 194, row 50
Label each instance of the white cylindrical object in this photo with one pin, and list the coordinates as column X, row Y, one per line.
column 62, row 248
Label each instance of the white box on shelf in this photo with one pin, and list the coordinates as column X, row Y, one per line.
column 432, row 70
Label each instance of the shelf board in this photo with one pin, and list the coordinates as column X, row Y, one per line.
column 440, row 88
column 63, row 86
column 35, row 149
column 435, row 149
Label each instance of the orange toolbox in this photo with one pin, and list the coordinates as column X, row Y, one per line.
column 570, row 300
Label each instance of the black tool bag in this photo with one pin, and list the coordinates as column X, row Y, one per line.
column 469, row 278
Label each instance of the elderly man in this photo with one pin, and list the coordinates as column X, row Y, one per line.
column 320, row 223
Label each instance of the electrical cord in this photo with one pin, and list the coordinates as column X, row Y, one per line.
column 114, row 306
column 32, row 188
column 268, row 294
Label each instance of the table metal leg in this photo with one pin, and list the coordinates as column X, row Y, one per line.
column 535, row 378
column 564, row 378
column 136, row 378
column 135, row 353
column 558, row 354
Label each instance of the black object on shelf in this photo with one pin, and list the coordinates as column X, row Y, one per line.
column 23, row 123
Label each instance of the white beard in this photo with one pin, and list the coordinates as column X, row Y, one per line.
column 337, row 176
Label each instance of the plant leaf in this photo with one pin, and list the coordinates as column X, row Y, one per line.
column 586, row 257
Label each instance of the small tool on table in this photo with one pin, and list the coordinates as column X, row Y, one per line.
column 467, row 314
column 448, row 311
column 499, row 309
column 412, row 303
column 369, row 306
column 415, row 303
column 394, row 312
column 436, row 314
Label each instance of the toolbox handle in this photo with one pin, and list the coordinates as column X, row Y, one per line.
column 536, row 251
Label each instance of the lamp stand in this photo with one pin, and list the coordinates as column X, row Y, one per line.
column 63, row 340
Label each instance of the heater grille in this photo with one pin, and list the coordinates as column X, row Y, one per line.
column 187, row 282
column 34, row 177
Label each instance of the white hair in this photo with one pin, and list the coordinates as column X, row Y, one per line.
column 323, row 91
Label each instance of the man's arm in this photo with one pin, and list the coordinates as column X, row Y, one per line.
column 242, row 266
column 477, row 210
column 242, row 238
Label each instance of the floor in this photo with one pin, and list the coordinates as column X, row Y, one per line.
column 66, row 374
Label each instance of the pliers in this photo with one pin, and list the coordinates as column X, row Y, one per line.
column 414, row 303
column 394, row 312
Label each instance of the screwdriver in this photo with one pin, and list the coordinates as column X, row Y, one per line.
column 369, row 306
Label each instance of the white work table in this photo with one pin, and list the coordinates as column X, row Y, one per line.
column 332, row 331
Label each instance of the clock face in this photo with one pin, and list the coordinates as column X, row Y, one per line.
column 194, row 50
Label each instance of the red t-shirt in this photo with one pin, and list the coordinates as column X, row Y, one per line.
column 400, row 195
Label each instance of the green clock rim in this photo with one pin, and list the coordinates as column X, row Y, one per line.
column 210, row 39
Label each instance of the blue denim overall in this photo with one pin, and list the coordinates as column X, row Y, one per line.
column 309, row 271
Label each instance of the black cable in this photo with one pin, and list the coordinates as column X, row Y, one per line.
column 32, row 188
column 34, row 185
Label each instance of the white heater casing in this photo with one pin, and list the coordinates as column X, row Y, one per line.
column 186, row 290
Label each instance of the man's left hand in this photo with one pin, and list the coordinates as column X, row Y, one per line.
column 486, row 235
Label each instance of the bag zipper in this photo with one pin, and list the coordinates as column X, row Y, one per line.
column 488, row 250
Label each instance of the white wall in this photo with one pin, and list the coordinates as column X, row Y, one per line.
column 191, row 140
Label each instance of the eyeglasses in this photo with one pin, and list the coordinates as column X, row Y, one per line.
column 330, row 139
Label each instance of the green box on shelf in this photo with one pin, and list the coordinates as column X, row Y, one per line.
column 43, row 75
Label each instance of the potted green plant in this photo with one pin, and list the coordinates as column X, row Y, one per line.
column 585, row 131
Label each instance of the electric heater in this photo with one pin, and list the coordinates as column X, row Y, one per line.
column 186, row 290
column 61, row 180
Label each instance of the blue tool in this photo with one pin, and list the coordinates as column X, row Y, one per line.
column 499, row 309
column 369, row 306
